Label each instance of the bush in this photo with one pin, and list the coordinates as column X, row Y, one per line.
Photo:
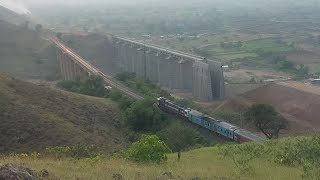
column 78, row 152
column 125, row 102
column 93, row 86
column 142, row 116
column 180, row 137
column 141, row 85
column 302, row 151
column 148, row 149
column 115, row 95
column 229, row 116
column 125, row 76
column 242, row 155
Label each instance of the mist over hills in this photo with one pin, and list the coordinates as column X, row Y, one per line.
column 16, row 6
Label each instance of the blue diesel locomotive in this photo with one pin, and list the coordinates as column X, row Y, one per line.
column 221, row 128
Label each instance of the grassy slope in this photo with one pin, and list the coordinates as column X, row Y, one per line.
column 205, row 163
column 23, row 52
column 34, row 117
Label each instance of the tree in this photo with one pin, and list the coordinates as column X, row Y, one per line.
column 239, row 44
column 302, row 72
column 180, row 137
column 142, row 116
column 59, row 35
column 286, row 65
column 38, row 27
column 266, row 119
column 148, row 149
column 94, row 86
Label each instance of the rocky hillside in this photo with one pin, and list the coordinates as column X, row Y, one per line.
column 35, row 116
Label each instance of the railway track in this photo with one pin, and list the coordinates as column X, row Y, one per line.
column 93, row 70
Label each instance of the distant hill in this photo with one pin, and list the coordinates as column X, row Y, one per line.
column 33, row 117
column 23, row 52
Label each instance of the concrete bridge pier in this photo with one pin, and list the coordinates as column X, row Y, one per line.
column 175, row 73
column 140, row 62
column 185, row 68
column 69, row 69
column 152, row 66
column 201, row 79
column 163, row 70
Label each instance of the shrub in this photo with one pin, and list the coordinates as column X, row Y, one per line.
column 142, row 116
column 125, row 76
column 180, row 137
column 78, row 152
column 148, row 149
column 125, row 102
column 228, row 116
column 242, row 155
column 115, row 95
column 93, row 86
column 143, row 86
column 303, row 152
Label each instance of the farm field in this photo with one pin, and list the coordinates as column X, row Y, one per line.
column 267, row 45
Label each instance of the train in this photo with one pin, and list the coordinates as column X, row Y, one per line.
column 219, row 127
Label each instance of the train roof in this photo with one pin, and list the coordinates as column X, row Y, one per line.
column 227, row 125
column 168, row 101
column 249, row 135
column 196, row 113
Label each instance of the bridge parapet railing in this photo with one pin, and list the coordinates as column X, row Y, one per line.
column 166, row 50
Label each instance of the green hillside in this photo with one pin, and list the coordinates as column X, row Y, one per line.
column 34, row 117
column 23, row 52
column 292, row 158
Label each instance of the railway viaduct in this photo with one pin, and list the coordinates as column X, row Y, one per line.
column 73, row 66
column 169, row 68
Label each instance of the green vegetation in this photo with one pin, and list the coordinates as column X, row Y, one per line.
column 181, row 138
column 314, row 69
column 34, row 117
column 266, row 119
column 229, row 116
column 295, row 152
column 148, row 149
column 78, row 151
column 289, row 158
column 143, row 86
column 273, row 45
column 93, row 86
column 143, row 116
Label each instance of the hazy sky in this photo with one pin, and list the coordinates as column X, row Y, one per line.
column 21, row 5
